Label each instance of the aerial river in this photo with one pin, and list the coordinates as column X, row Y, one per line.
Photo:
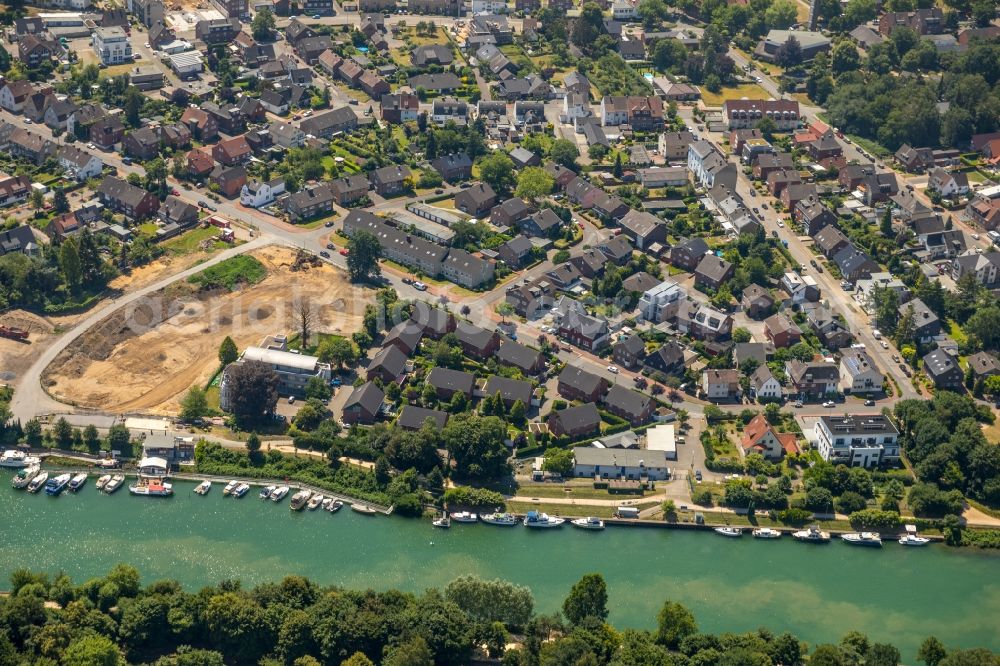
column 895, row 594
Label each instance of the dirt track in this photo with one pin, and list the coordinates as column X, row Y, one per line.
column 144, row 358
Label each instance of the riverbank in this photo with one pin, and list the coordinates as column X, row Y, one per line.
column 895, row 594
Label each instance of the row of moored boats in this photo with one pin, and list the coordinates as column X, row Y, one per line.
column 533, row 519
column 303, row 499
column 33, row 479
column 815, row 535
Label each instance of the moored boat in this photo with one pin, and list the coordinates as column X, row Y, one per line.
column 731, row 532
column 56, row 485
column 542, row 520
column 37, row 482
column 335, row 506
column 78, row 481
column 203, row 488
column 812, row 535
column 766, row 533
column 464, row 517
column 862, row 539
column 114, row 484
column 103, row 481
column 241, row 490
column 279, row 493
column 499, row 518
column 588, row 523
column 152, row 488
column 230, row 487
column 327, row 502
column 911, row 538
column 16, row 459
column 443, row 521
column 314, row 502
column 299, row 500
column 363, row 509
column 23, row 477
column 266, row 491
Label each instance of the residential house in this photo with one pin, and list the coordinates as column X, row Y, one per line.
column 412, row 417
column 134, row 202
column 638, row 112
column 942, row 368
column 14, row 189
column 446, row 82
column 515, row 355
column 712, row 271
column 929, row 21
column 326, row 125
column 756, row 301
column 203, row 126
column 859, row 373
column 926, row 325
column 434, row 322
column 636, row 408
column 759, row 436
column 447, row 382
column 256, row 193
column 830, row 240
column 629, row 351
column 689, row 253
column 364, row 404
column 983, row 365
column 453, row 167
column 746, row 113
column 14, row 94
column 79, row 164
column 347, row 190
column 659, row 303
column 232, row 152
column 575, row 421
column 585, row 331
column 62, row 226
column 400, row 108
column 405, row 335
column 311, row 202
column 510, row 212
column 541, row 224
column 511, row 391
column 176, row 212
column 813, row 215
column 577, row 384
column 477, row 342
column 229, row 180
column 854, row 264
column 703, row 322
column 476, row 200
column 286, row 135
column 830, row 329
column 142, row 144
column 948, row 184
column 781, row 331
column 389, row 365
column 516, row 252
column 985, row 267
column 391, row 180
column 668, row 359
column 812, row 379
column 763, row 385
column 673, row 146
column 199, row 164
column 18, row 240
column 467, row 270
column 623, row 464
column 720, row 384
column 643, row 228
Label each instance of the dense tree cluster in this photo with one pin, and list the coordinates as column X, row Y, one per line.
column 944, row 441
column 114, row 621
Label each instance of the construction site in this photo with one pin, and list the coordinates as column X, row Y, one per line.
column 144, row 357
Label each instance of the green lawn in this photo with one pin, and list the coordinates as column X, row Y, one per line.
column 230, row 273
column 190, row 241
column 751, row 90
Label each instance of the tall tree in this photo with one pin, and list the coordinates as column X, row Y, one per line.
column 674, row 623
column 228, row 351
column 253, row 390
column 69, row 262
column 362, row 258
column 588, row 599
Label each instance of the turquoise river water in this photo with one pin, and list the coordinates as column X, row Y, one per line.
column 895, row 594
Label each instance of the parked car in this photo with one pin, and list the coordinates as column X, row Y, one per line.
column 344, row 252
column 419, row 286
column 407, row 280
column 869, row 403
column 328, row 224
column 331, row 246
column 697, row 475
column 829, row 404
column 613, row 369
column 885, row 345
column 324, row 254
column 798, row 403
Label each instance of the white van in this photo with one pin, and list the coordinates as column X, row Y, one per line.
column 877, row 334
column 627, row 512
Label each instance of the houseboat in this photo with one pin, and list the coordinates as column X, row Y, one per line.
column 103, row 481
column 15, row 459
column 502, row 519
column 38, row 482
column 766, row 533
column 464, row 517
column 588, row 523
column 299, row 500
column 542, row 520
column 241, row 490
column 279, row 493
column 152, row 488
column 114, row 484
column 78, row 482
column 812, row 535
column 863, row 539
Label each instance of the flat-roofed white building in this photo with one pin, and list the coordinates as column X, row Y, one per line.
column 111, row 45
column 294, row 370
column 654, row 302
column 862, row 440
column 662, row 438
column 188, row 63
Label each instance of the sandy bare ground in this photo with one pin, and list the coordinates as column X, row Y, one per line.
column 145, row 357
column 16, row 357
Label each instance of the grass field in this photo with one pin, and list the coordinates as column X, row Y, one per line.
column 751, row 90
column 230, row 273
column 190, row 241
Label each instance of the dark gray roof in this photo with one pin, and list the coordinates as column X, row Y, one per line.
column 631, row 402
column 453, row 380
column 412, row 417
column 445, row 81
column 390, row 359
column 368, row 396
column 582, row 417
column 517, row 355
column 509, row 389
column 633, row 344
column 580, row 379
column 474, row 336
column 406, row 333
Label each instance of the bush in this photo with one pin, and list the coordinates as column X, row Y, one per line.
column 794, row 516
column 703, row 497
column 229, row 273
column 851, row 502
column 875, row 519
column 473, row 497
column 926, row 499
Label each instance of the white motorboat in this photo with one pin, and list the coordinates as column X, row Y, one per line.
column 203, row 488
column 55, row 485
column 588, row 523
column 103, row 481
column 114, row 484
column 766, row 533
column 812, row 535
column 23, row 477
column 16, row 459
column 537, row 519
column 732, row 532
column 863, row 539
column 326, row 503
column 363, row 509
column 279, row 493
column 444, row 522
column 152, row 488
column 314, row 502
column 299, row 500
column 78, row 481
column 464, row 517
column 911, row 538
column 230, row 487
column 503, row 519
column 335, row 506
column 38, row 482
column 241, row 490
column 266, row 491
